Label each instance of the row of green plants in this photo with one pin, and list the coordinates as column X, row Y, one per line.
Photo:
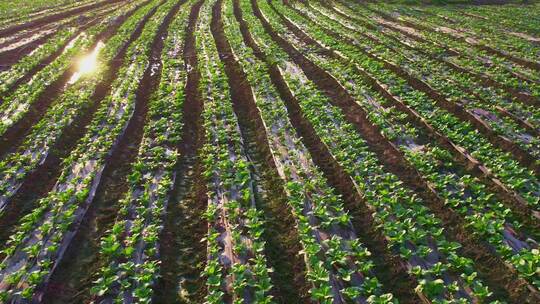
column 30, row 33
column 18, row 70
column 521, row 17
column 457, row 88
column 237, row 266
column 446, row 44
column 485, row 216
column 515, row 43
column 18, row 12
column 25, row 36
column 489, row 34
column 479, row 37
column 42, row 236
column 15, row 105
column 502, row 164
column 498, row 67
column 478, row 64
column 334, row 256
column 66, row 32
column 475, row 82
column 130, row 249
column 485, row 15
column 411, row 230
column 36, row 147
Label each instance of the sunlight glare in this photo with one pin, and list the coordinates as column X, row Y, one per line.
column 87, row 64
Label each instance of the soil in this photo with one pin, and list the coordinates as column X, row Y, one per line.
column 283, row 243
column 182, row 252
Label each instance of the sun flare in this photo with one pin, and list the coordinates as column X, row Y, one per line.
column 87, row 64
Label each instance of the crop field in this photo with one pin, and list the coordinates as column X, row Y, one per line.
column 269, row 151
